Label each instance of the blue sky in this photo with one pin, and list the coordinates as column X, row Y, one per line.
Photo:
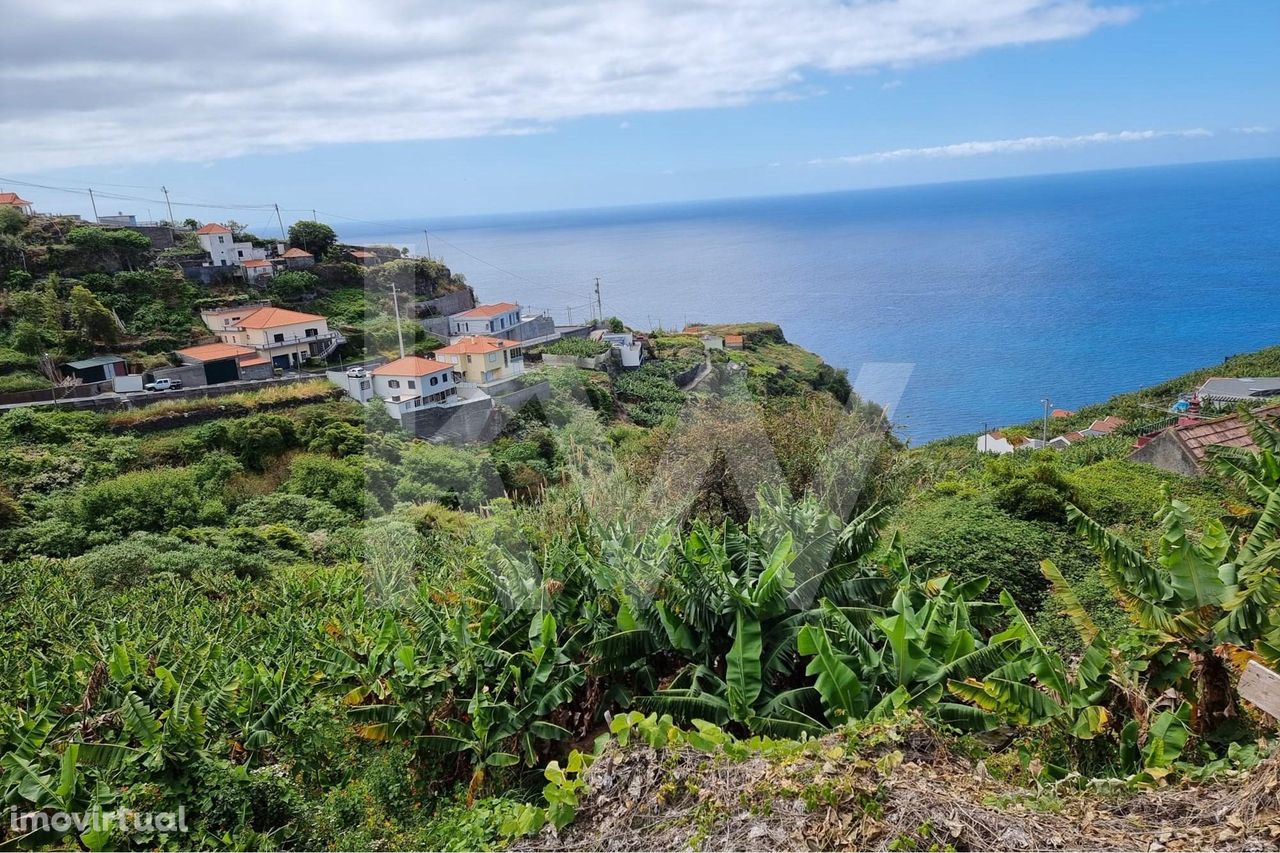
column 627, row 103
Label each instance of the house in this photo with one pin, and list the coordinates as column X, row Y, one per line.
column 1239, row 390
column 1103, row 426
column 16, row 201
column 298, row 259
column 123, row 220
column 1183, row 448
column 630, row 351
column 218, row 241
column 256, row 269
column 1061, row 413
column 1000, row 444
column 362, row 257
column 286, row 337
column 734, row 342
column 710, row 341
column 413, row 382
column 483, row 360
column 100, row 368
column 491, row 320
column 217, row 363
column 1065, row 440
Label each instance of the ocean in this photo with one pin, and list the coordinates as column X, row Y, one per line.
column 994, row 294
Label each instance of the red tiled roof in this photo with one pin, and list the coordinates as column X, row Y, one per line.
column 214, row 228
column 215, row 352
column 482, row 311
column 268, row 318
column 1107, row 425
column 360, row 253
column 1061, row 413
column 475, row 344
column 12, row 199
column 733, row 339
column 1230, row 431
column 297, row 253
column 411, row 365
column 250, row 362
column 256, row 262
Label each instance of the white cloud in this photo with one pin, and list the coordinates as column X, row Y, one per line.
column 1252, row 129
column 892, row 84
column 1015, row 146
column 142, row 80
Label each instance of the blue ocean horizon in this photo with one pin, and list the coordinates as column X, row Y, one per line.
column 998, row 293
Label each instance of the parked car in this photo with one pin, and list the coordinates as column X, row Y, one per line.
column 163, row 385
column 357, row 372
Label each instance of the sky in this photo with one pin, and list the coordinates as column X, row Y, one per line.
column 390, row 108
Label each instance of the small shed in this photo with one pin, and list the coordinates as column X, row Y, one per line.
column 100, row 368
column 734, row 341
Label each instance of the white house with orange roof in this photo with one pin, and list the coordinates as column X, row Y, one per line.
column 482, row 360
column 298, row 259
column 223, row 249
column 489, row 320
column 256, row 269
column 16, row 201
column 287, row 338
column 413, row 382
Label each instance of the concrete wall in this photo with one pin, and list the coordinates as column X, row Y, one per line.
column 192, row 375
column 257, row 371
column 1165, row 452
column 461, row 424
column 87, row 389
column 584, row 362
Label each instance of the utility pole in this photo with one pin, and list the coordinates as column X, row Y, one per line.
column 95, row 205
column 313, row 215
column 1047, row 404
column 284, row 235
column 395, row 303
column 427, row 237
column 569, row 313
column 599, row 305
column 165, row 190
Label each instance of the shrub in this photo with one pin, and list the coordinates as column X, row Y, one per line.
column 157, row 500
column 579, row 347
column 304, row 512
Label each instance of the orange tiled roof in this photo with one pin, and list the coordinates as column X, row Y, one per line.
column 215, row 352
column 475, row 344
column 214, row 228
column 12, row 199
column 297, row 253
column 268, row 318
column 256, row 262
column 411, row 365
column 250, row 362
column 482, row 311
column 1230, row 431
column 360, row 253
column 1061, row 413
column 733, row 339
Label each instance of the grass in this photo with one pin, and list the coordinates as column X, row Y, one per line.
column 311, row 390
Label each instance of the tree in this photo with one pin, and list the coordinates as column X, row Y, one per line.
column 90, row 319
column 12, row 220
column 314, row 237
column 291, row 285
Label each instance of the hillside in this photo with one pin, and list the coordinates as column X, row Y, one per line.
column 776, row 626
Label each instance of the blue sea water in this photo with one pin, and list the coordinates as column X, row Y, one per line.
column 999, row 293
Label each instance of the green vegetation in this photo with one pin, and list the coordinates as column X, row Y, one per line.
column 309, row 631
column 580, row 347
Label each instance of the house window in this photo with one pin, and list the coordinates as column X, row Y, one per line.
column 435, row 380
column 221, row 240
column 468, row 359
column 222, row 262
column 413, row 384
column 239, row 253
column 393, row 383
column 278, row 337
column 310, row 333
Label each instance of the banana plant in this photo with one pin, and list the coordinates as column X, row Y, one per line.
column 1209, row 601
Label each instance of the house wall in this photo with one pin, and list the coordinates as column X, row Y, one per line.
column 421, row 385
column 265, row 338
column 479, row 369
column 1167, row 453
column 492, row 326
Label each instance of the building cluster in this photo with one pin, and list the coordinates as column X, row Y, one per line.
column 1001, row 442
column 484, row 353
column 253, row 263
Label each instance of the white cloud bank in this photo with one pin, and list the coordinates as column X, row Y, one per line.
column 113, row 81
column 1015, row 146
